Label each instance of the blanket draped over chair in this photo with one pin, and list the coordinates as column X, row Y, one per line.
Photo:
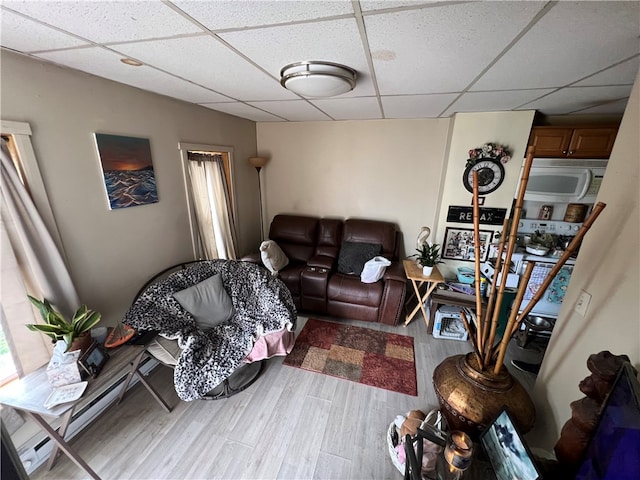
column 262, row 303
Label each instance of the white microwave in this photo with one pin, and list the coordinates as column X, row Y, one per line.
column 564, row 181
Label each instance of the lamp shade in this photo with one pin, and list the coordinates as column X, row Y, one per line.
column 258, row 162
column 318, row 79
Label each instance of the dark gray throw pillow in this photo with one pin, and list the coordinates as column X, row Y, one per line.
column 207, row 301
column 353, row 256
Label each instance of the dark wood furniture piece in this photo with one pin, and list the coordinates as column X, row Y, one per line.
column 30, row 392
column 573, row 142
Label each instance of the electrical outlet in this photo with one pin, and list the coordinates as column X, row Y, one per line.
column 583, row 303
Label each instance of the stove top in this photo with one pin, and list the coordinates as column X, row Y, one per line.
column 553, row 227
column 553, row 234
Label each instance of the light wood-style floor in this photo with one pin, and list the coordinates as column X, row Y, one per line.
column 290, row 424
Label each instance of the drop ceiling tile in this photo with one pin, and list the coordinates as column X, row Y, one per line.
column 416, row 106
column 105, row 63
column 607, row 109
column 209, row 63
column 292, row 110
column 243, row 111
column 371, row 5
column 494, row 101
column 239, row 14
column 274, row 47
column 358, row 108
column 441, row 49
column 572, row 41
column 104, row 21
column 25, row 35
column 573, row 99
column 623, row 74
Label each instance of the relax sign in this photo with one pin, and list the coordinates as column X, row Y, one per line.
column 488, row 216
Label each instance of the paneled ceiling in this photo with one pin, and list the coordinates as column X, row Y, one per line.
column 414, row 59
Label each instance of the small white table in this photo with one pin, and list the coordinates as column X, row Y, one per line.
column 30, row 392
column 414, row 273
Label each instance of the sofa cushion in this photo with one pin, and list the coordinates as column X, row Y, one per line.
column 296, row 235
column 349, row 289
column 353, row 256
column 272, row 256
column 373, row 231
column 207, row 301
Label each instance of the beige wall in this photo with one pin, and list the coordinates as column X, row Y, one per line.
column 607, row 268
column 381, row 169
column 111, row 253
column 472, row 130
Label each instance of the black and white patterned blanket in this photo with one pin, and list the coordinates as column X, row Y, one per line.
column 263, row 305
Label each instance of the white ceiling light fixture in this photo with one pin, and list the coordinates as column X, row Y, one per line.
column 318, row 79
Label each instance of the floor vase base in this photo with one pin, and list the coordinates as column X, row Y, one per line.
column 470, row 398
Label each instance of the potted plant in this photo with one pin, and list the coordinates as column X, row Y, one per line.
column 428, row 257
column 59, row 328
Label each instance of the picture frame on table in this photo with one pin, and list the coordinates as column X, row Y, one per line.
column 93, row 360
column 459, row 244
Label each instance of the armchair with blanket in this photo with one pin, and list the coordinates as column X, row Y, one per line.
column 222, row 314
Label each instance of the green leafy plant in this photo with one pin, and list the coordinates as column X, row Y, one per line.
column 428, row 255
column 59, row 328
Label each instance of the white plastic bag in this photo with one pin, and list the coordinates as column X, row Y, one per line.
column 374, row 269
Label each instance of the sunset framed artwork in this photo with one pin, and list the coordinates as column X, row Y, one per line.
column 127, row 169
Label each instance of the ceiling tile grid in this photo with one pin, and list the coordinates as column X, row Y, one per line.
column 416, row 106
column 105, row 63
column 441, row 50
column 567, row 44
column 220, row 15
column 207, row 62
column 576, row 99
column 27, row 35
column 359, row 108
column 414, row 58
column 293, row 110
column 105, row 21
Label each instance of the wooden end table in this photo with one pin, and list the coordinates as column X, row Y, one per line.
column 418, row 280
column 30, row 392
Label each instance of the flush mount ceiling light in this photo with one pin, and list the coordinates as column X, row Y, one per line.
column 318, row 79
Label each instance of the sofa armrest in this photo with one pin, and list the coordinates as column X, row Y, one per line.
column 395, row 271
column 253, row 258
column 321, row 261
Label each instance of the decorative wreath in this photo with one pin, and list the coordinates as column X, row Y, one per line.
column 491, row 151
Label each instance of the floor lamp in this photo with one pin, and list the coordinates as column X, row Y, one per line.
column 258, row 163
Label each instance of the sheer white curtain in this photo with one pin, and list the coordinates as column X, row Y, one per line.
column 31, row 262
column 212, row 206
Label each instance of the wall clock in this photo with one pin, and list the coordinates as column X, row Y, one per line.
column 490, row 176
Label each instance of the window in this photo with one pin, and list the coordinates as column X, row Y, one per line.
column 208, row 180
column 28, row 351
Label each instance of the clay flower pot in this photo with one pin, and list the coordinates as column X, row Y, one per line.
column 82, row 343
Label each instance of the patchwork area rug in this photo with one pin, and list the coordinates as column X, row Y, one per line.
column 380, row 359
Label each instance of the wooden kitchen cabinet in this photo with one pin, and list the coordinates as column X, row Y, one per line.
column 573, row 142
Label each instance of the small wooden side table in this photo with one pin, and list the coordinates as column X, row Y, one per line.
column 414, row 273
column 30, row 392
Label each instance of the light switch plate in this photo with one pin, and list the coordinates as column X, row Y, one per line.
column 583, row 303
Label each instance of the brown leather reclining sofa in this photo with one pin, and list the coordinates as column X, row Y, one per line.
column 313, row 247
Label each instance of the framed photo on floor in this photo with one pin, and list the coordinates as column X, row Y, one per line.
column 459, row 244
